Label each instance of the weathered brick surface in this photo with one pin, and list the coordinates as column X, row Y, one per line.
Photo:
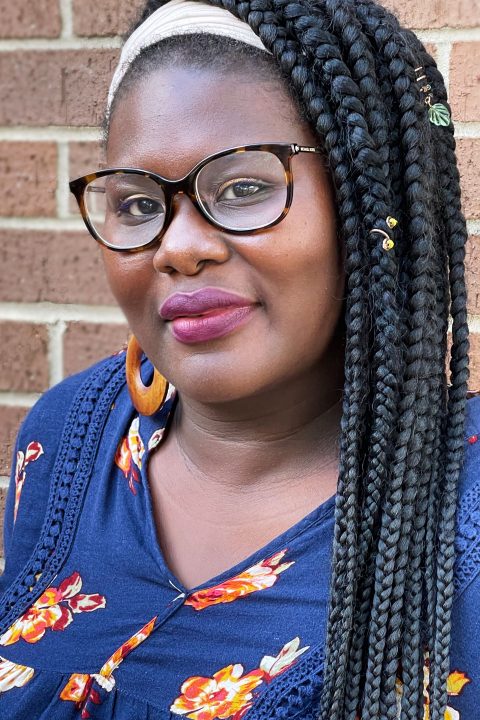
column 115, row 17
column 468, row 150
column 24, row 365
column 63, row 267
column 85, row 343
column 465, row 80
column 56, row 87
column 436, row 13
column 473, row 274
column 10, row 419
column 28, row 176
column 25, row 19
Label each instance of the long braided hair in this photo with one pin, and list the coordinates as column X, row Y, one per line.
column 350, row 69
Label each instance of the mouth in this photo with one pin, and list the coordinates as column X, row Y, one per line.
column 206, row 314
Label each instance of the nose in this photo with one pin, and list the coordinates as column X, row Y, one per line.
column 189, row 241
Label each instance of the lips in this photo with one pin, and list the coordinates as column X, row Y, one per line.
column 205, row 314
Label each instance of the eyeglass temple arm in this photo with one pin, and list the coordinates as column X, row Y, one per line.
column 303, row 148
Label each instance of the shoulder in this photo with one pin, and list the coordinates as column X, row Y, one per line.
column 52, row 408
column 48, row 442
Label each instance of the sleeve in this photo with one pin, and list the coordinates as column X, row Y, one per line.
column 463, row 684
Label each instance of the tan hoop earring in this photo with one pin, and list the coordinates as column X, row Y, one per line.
column 146, row 399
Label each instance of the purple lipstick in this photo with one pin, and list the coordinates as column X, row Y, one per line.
column 205, row 314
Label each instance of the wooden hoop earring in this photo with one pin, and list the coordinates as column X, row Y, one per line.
column 146, row 399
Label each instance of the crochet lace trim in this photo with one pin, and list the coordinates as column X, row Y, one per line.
column 81, row 436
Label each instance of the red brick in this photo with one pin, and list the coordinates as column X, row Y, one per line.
column 85, row 157
column 468, row 151
column 465, row 81
column 24, row 365
column 55, row 87
column 436, row 13
column 10, row 419
column 85, row 343
column 28, row 175
column 115, row 18
column 473, row 274
column 62, row 267
column 25, row 19
column 474, row 383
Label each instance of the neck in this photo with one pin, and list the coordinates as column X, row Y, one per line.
column 284, row 434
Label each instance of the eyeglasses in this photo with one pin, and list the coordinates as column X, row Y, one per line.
column 241, row 190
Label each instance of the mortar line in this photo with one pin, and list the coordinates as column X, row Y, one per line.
column 4, row 481
column 14, row 399
column 63, row 192
column 473, row 227
column 23, row 133
column 62, row 43
column 50, row 313
column 43, row 224
column 442, row 35
column 444, row 51
column 67, row 18
column 467, row 129
column 56, row 332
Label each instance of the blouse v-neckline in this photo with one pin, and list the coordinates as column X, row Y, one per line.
column 158, row 425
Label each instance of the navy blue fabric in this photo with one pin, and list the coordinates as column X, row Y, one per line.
column 247, row 643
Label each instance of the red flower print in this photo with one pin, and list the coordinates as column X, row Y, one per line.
column 229, row 693
column 32, row 453
column 129, row 455
column 53, row 610
column 258, row 577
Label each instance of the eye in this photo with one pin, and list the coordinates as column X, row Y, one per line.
column 140, row 206
column 242, row 189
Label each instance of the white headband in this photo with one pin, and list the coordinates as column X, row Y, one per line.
column 180, row 17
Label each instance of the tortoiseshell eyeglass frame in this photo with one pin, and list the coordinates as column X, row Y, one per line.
column 186, row 185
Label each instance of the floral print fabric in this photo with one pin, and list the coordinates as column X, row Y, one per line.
column 116, row 636
column 53, row 610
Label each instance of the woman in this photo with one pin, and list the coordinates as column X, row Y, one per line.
column 275, row 537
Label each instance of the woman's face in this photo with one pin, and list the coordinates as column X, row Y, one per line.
column 289, row 276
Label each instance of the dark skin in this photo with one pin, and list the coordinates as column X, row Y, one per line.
column 253, row 447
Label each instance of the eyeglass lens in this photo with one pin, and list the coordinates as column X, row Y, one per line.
column 240, row 191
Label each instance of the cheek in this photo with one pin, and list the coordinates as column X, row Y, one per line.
column 128, row 277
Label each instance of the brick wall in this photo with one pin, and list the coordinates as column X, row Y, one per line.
column 56, row 59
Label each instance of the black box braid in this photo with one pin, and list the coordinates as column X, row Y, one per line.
column 350, row 68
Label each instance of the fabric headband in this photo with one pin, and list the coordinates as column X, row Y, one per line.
column 180, row 17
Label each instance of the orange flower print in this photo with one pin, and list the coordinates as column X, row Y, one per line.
column 53, row 610
column 229, row 693
column 79, row 687
column 129, row 455
column 13, row 675
column 32, row 453
column 258, row 577
column 456, row 681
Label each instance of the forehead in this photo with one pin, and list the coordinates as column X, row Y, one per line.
column 174, row 117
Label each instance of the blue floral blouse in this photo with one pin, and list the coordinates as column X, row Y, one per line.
column 93, row 624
